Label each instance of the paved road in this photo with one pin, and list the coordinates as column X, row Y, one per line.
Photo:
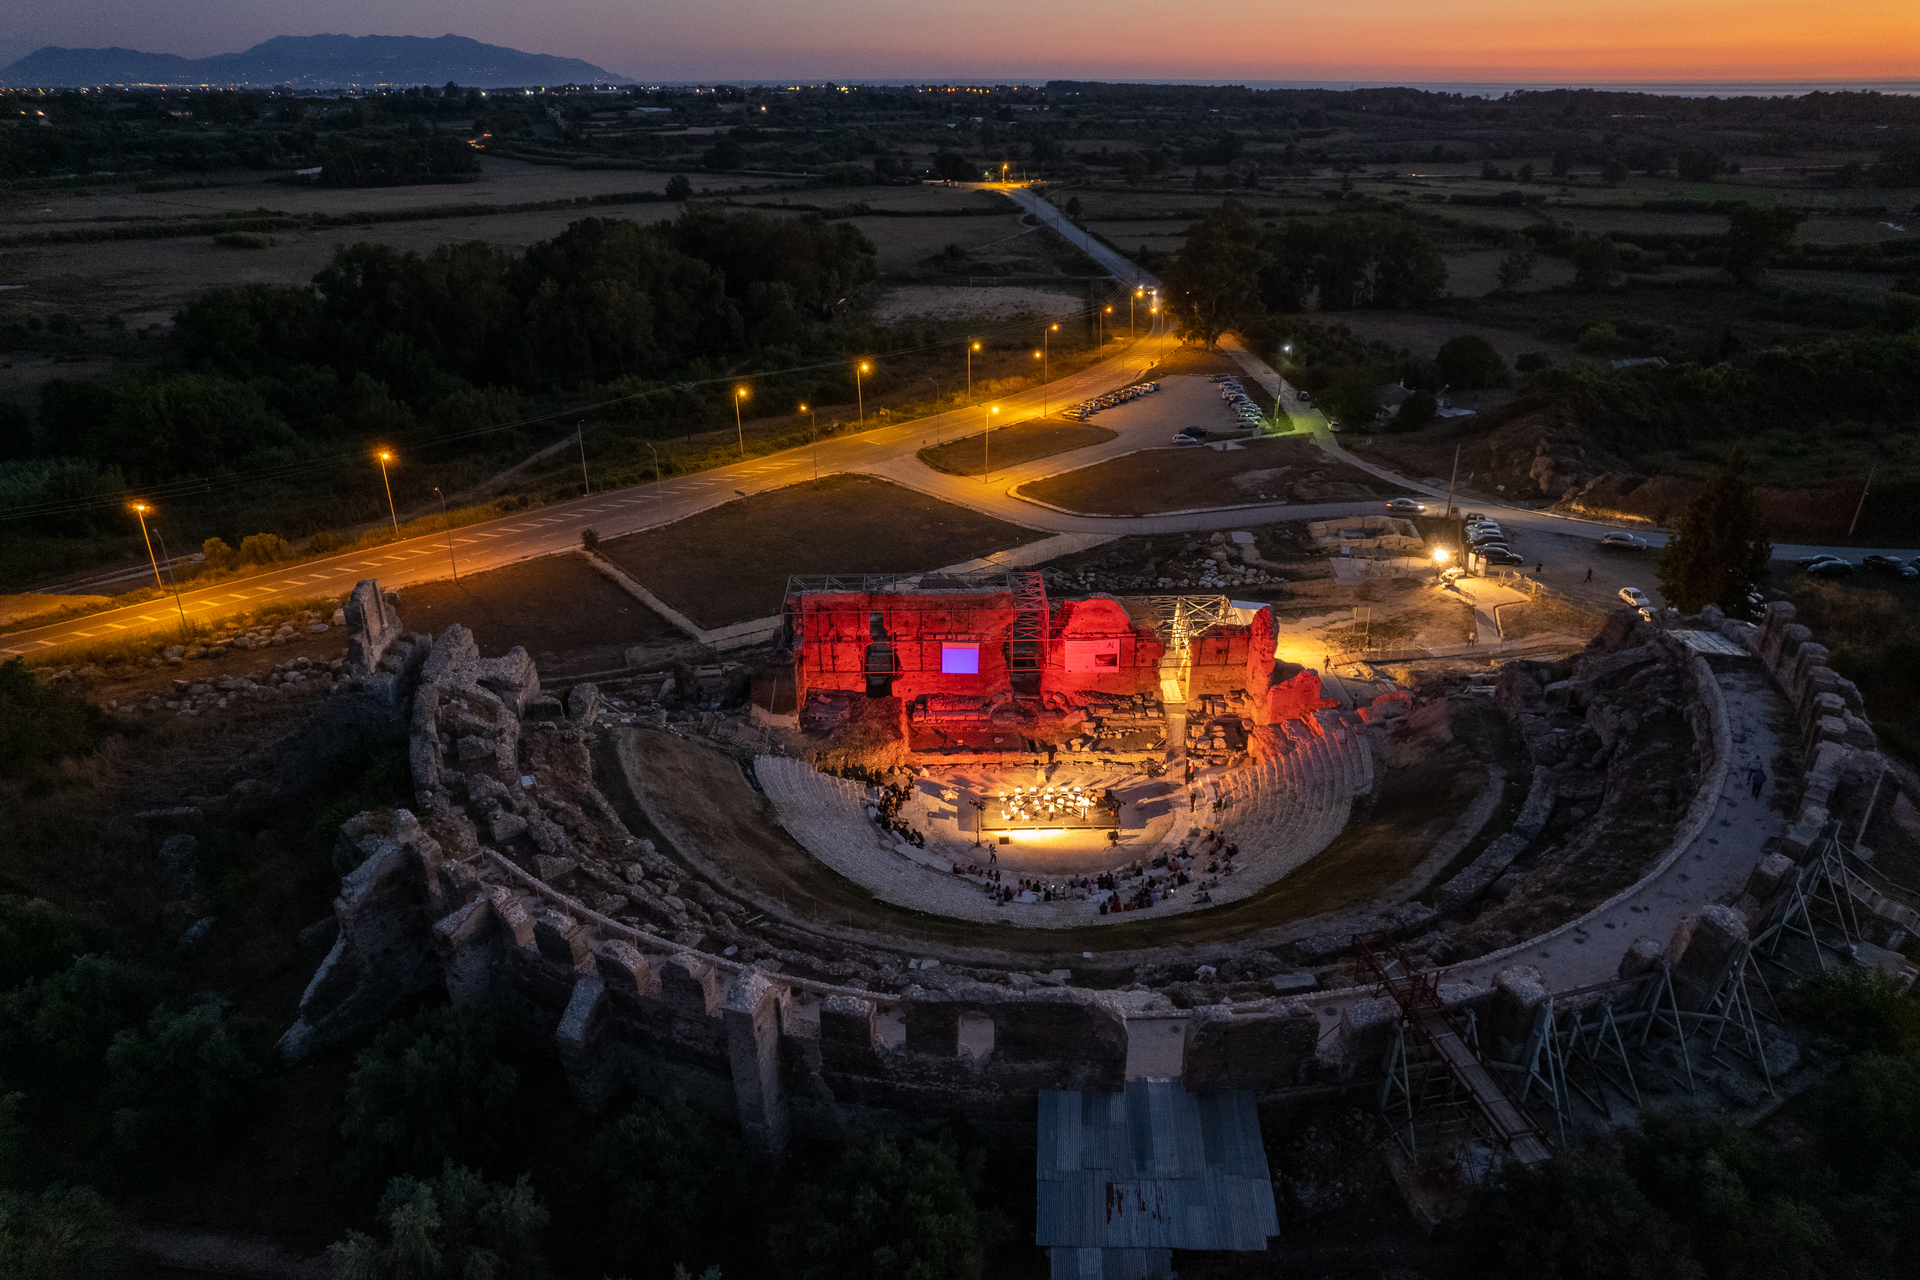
column 884, row 451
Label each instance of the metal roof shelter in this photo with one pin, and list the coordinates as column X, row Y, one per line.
column 1126, row 1178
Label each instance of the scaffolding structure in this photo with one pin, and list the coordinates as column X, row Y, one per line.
column 1178, row 619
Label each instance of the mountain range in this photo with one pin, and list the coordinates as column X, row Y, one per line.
column 310, row 62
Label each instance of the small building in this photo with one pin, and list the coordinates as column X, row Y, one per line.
column 1126, row 1178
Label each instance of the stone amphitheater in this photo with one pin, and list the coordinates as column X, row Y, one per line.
column 693, row 904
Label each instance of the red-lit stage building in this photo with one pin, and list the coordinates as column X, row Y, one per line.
column 988, row 663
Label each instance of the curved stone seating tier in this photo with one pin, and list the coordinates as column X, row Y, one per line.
column 1280, row 812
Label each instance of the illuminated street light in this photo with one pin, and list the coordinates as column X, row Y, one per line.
column 813, row 435
column 739, row 394
column 141, row 509
column 385, row 457
column 986, row 447
column 971, row 348
column 859, row 394
column 1441, row 555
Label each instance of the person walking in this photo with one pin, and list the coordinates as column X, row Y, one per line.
column 1589, row 573
column 1326, row 661
column 1757, row 778
column 1539, row 567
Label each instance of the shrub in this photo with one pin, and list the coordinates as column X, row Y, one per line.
column 61, row 1232
column 432, row 1089
column 678, row 187
column 264, row 548
column 41, row 723
column 1864, row 1009
column 244, row 240
column 181, row 1080
column 219, row 555
column 456, row 1226
column 590, row 540
column 1533, row 361
column 328, row 541
column 55, row 1031
column 1469, row 361
column 669, row 1174
column 1598, row 339
column 886, row 1213
column 1416, row 411
column 37, row 939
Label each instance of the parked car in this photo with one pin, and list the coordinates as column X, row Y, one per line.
column 1833, row 567
column 1635, row 597
column 1473, row 517
column 1190, row 435
column 1485, row 535
column 1305, row 398
column 1889, row 565
column 1625, row 541
column 1499, row 555
column 1406, row 507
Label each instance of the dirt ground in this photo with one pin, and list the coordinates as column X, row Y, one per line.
column 1012, row 446
column 570, row 617
column 731, row 563
column 1540, row 617
column 1185, row 478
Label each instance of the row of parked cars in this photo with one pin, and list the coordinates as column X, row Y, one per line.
column 1486, row 539
column 1827, row 565
column 1239, row 401
column 1087, row 408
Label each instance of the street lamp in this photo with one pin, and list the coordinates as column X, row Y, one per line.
column 580, row 430
column 141, row 509
column 443, row 516
column 1100, row 325
column 986, row 447
column 971, row 348
column 385, row 457
column 939, row 398
column 739, row 394
column 859, row 394
column 813, row 436
column 658, row 497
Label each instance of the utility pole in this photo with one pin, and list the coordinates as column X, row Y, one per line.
column 1450, row 480
column 1863, row 503
column 580, row 431
column 658, row 497
column 172, row 581
column 443, row 516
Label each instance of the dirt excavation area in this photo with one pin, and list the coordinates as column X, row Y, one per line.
column 567, row 614
column 731, row 563
column 1193, row 477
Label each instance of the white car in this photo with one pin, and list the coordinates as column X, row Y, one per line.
column 1635, row 597
column 1625, row 541
column 1405, row 507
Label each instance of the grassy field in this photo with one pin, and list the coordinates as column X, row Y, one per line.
column 565, row 613
column 1193, row 477
column 1012, row 446
column 731, row 564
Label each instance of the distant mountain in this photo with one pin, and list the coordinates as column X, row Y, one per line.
column 310, row 62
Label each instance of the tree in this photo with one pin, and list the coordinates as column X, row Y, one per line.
column 1562, row 163
column 669, row 1175
column 432, row 1089
column 1133, row 167
column 1699, row 164
column 40, row 723
column 1595, row 260
column 890, row 1214
column 1572, row 1218
column 1613, row 171
column 1718, row 551
column 457, row 1226
column 1416, row 411
column 679, row 188
column 1469, row 361
column 1756, row 234
column 954, row 167
column 1213, row 283
column 1351, row 397
column 1517, row 267
column 180, row 1081
column 62, row 1232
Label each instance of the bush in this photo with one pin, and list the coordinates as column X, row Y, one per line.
column 181, row 1081
column 590, row 540
column 1598, row 339
column 457, row 1226
column 678, row 187
column 1351, row 397
column 1533, row 361
column 37, row 939
column 219, row 555
column 328, row 541
column 432, row 1089
column 1416, row 411
column 55, row 1031
column 61, row 1232
column 670, row 1175
column 892, row 1214
column 1469, row 362
column 41, row 723
column 1864, row 1009
column 265, row 548
column 244, row 240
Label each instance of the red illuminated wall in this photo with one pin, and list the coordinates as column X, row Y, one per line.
column 1100, row 618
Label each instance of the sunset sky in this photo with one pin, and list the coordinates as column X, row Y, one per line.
column 1372, row 40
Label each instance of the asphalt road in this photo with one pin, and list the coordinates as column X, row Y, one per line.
column 884, row 451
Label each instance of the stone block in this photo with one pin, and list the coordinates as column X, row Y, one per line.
column 690, row 985
column 504, row 825
column 752, row 1016
column 1642, row 958
column 1262, row 1052
column 582, row 700
column 626, row 971
column 372, row 627
column 1702, row 948
column 848, row 1022
column 1772, row 872
column 562, row 940
column 1366, row 1028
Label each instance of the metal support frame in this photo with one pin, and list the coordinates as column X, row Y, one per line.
column 1178, row 619
column 1027, row 638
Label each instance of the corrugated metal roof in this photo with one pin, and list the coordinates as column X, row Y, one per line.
column 1153, row 1168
